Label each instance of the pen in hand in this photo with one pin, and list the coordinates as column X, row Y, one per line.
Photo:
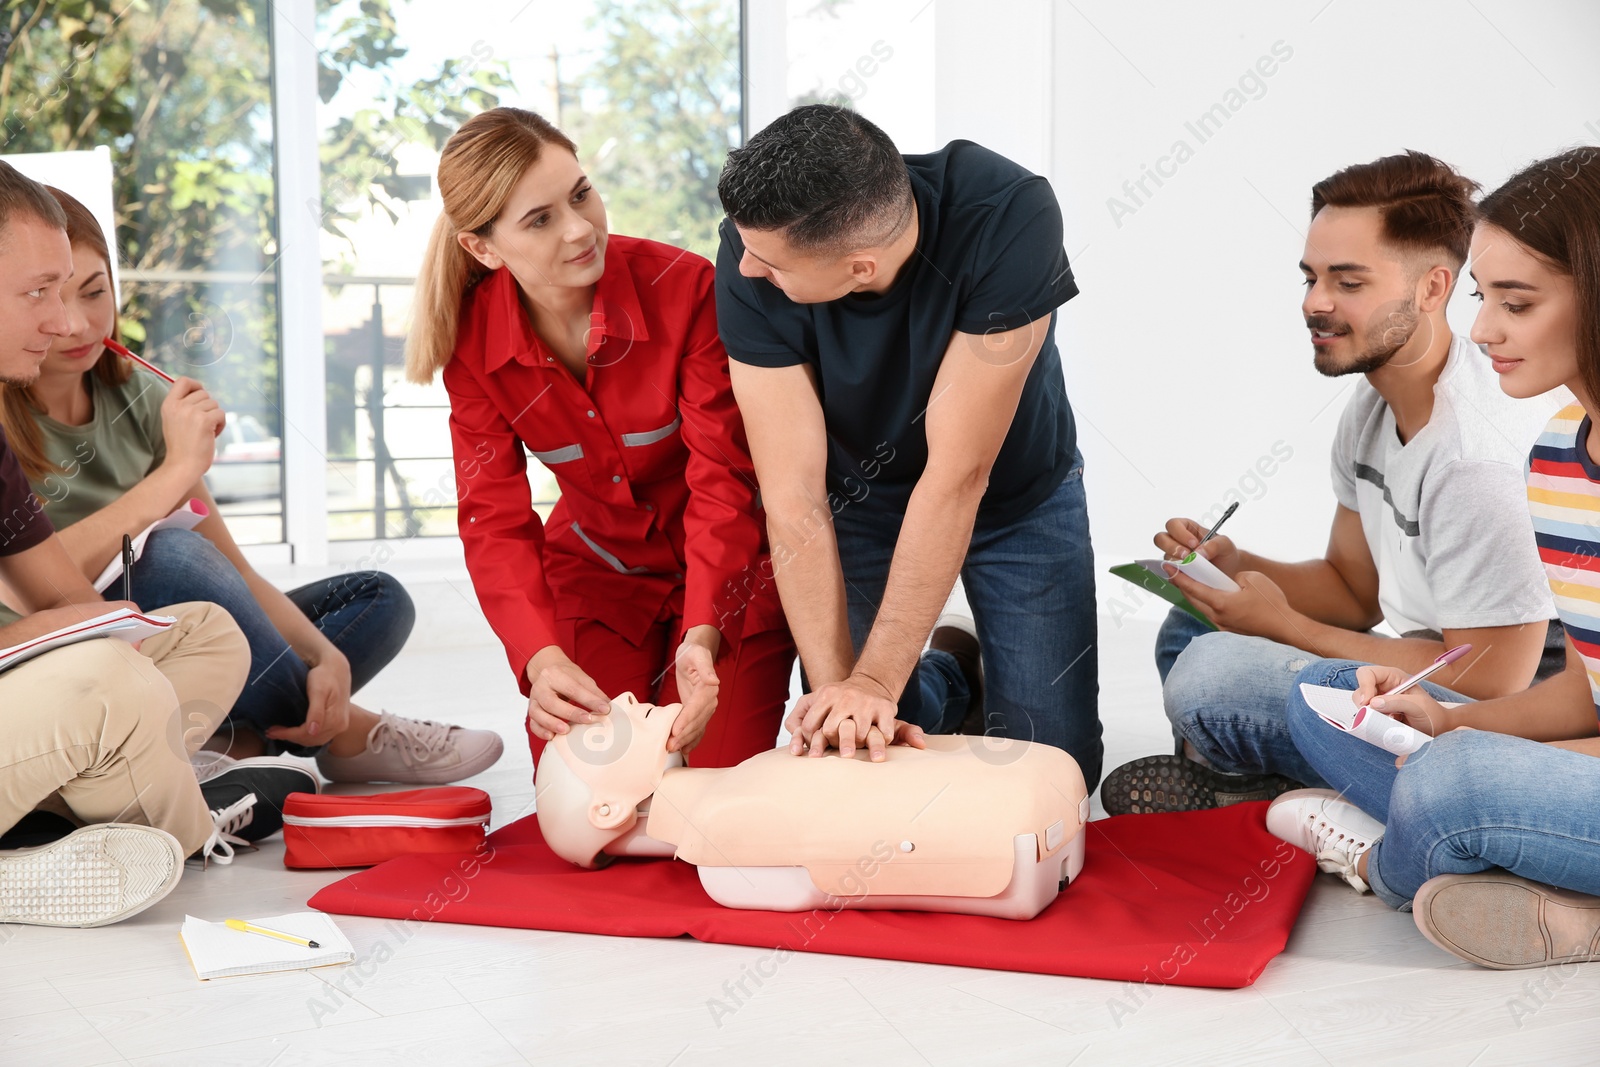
column 1442, row 662
column 1213, row 531
column 127, row 568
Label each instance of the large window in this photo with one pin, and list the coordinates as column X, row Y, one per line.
column 181, row 94
column 649, row 90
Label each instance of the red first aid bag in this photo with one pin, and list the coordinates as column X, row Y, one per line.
column 326, row 830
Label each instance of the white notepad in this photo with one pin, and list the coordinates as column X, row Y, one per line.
column 1336, row 708
column 185, row 518
column 125, row 623
column 218, row 952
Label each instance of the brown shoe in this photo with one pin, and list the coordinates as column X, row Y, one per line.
column 958, row 635
column 1496, row 919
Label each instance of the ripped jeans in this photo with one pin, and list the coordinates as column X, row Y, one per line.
column 1227, row 695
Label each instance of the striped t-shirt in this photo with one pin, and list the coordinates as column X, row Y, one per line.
column 1564, row 500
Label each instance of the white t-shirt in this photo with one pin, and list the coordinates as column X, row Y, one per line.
column 1445, row 515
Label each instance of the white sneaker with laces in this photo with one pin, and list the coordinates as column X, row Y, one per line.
column 226, row 826
column 1329, row 827
column 415, row 752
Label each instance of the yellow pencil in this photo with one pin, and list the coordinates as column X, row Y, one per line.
column 248, row 928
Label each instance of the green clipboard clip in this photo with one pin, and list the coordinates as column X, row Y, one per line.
column 1154, row 583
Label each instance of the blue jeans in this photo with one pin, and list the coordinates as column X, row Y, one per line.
column 1031, row 587
column 1468, row 801
column 1225, row 694
column 366, row 614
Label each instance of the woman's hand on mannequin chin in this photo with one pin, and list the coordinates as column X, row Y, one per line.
column 697, row 686
column 560, row 693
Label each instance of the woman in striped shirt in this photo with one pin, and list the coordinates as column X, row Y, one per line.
column 1491, row 832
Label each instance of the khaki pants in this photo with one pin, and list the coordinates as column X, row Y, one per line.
column 106, row 730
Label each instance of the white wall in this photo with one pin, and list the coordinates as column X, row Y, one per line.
column 1186, row 357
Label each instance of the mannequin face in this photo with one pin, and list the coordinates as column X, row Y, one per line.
column 591, row 780
column 629, row 742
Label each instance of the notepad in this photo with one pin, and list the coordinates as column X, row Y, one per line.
column 124, row 623
column 1151, row 576
column 184, row 518
column 1336, row 708
column 218, row 952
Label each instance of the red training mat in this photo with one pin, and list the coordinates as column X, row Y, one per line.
column 1202, row 898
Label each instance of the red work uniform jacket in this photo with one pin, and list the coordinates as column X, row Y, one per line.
column 659, row 514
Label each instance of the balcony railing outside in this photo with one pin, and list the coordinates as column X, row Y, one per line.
column 396, row 496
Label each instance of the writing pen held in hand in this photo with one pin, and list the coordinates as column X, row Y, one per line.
column 1213, row 531
column 1449, row 657
column 127, row 568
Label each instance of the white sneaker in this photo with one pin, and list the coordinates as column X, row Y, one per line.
column 92, row 877
column 1329, row 827
column 227, row 825
column 415, row 752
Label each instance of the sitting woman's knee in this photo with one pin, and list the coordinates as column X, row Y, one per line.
column 178, row 544
column 1454, row 769
column 394, row 595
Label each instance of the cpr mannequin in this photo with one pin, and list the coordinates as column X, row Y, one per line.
column 979, row 825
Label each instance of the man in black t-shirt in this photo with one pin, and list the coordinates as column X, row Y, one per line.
column 889, row 324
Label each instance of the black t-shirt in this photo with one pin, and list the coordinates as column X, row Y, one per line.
column 989, row 257
column 22, row 520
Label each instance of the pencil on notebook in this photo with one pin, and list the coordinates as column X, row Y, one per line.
column 146, row 364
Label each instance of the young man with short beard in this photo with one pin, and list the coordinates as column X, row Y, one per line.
column 1430, row 534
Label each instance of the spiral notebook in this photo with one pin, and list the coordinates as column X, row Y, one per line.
column 218, row 952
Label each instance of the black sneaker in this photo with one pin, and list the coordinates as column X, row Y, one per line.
column 36, row 828
column 958, row 635
column 225, row 782
column 1176, row 783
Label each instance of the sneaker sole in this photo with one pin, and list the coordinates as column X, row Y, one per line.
column 424, row 774
column 96, row 876
column 1156, row 784
column 1498, row 920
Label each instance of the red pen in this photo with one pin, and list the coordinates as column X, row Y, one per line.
column 146, row 364
column 1449, row 657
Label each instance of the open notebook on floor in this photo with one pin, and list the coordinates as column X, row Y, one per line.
column 218, row 952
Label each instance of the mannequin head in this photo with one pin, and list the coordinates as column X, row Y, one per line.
column 592, row 779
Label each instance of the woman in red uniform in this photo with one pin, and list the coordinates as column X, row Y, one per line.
column 599, row 354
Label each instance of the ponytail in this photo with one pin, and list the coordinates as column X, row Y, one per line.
column 447, row 272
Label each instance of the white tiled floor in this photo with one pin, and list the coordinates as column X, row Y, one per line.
column 1357, row 984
